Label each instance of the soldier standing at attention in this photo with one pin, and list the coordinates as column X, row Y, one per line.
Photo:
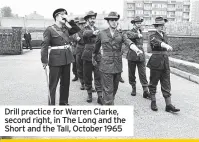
column 89, row 35
column 159, row 65
column 60, row 56
column 135, row 35
column 111, row 41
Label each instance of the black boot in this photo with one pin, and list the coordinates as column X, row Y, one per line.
column 82, row 87
column 133, row 93
column 75, row 78
column 100, row 100
column 171, row 108
column 89, row 98
column 121, row 80
column 146, row 95
column 154, row 106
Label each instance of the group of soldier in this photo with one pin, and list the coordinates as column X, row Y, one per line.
column 99, row 52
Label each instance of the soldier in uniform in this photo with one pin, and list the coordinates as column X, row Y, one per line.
column 74, row 46
column 135, row 35
column 27, row 37
column 159, row 65
column 79, row 51
column 111, row 41
column 60, row 57
column 89, row 36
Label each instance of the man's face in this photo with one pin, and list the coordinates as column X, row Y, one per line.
column 91, row 20
column 60, row 18
column 138, row 24
column 160, row 28
column 113, row 23
column 81, row 26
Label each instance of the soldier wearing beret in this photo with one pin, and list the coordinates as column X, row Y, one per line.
column 159, row 65
column 111, row 40
column 89, row 35
column 57, row 38
column 135, row 35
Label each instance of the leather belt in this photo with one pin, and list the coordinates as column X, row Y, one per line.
column 60, row 47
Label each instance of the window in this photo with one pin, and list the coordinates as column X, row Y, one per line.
column 130, row 6
column 178, row 13
column 130, row 13
column 139, row 4
column 171, row 6
column 171, row 13
column 147, row 12
column 139, row 12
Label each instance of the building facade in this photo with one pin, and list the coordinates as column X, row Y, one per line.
column 173, row 10
column 194, row 11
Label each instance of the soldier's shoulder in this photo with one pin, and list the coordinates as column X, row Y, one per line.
column 49, row 28
column 152, row 34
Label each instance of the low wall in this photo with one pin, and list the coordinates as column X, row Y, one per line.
column 10, row 41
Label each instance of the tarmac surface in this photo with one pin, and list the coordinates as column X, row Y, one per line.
column 23, row 82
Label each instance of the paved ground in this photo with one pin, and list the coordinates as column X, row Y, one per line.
column 23, row 83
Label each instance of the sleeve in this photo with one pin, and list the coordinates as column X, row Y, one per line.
column 166, row 38
column 88, row 33
column 97, row 45
column 44, row 46
column 154, row 41
column 126, row 40
column 74, row 28
column 132, row 35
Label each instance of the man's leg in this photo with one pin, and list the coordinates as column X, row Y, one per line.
column 64, row 85
column 88, row 68
column 154, row 79
column 54, row 75
column 80, row 70
column 98, row 85
column 75, row 69
column 166, row 89
column 107, row 88
column 29, row 44
column 143, row 79
column 116, row 80
column 132, row 77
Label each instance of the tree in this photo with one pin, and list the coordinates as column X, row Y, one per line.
column 6, row 11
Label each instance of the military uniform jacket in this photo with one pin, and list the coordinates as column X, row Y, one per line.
column 159, row 59
column 133, row 36
column 111, row 61
column 80, row 43
column 89, row 40
column 57, row 57
column 74, row 44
